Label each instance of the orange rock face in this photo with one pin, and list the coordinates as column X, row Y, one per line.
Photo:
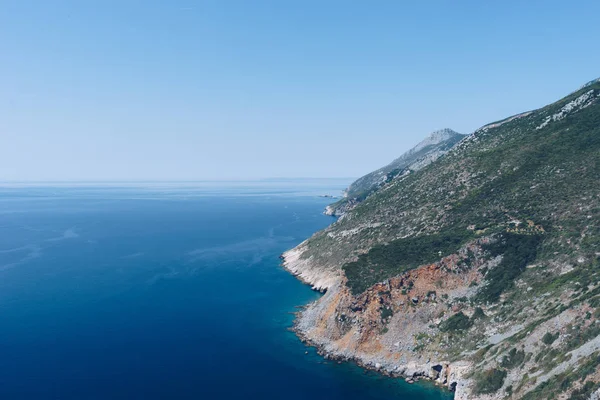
column 385, row 319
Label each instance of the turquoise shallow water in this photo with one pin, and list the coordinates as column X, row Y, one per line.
column 164, row 292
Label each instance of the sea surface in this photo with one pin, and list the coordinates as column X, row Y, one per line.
column 165, row 291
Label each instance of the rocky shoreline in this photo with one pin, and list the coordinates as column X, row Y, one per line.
column 322, row 351
column 313, row 326
column 303, row 270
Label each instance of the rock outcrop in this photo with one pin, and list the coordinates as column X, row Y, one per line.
column 309, row 273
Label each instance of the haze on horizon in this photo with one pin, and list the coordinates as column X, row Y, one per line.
column 184, row 90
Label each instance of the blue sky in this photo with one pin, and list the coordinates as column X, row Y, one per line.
column 192, row 90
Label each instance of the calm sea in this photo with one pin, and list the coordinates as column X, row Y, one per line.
column 164, row 292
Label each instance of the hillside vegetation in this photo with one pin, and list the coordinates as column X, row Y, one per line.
column 493, row 250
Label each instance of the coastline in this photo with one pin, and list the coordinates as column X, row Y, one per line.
column 322, row 351
column 302, row 269
column 311, row 327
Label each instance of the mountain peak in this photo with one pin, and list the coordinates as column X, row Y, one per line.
column 590, row 83
column 445, row 133
column 437, row 137
column 427, row 151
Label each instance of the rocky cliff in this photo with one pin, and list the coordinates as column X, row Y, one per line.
column 481, row 270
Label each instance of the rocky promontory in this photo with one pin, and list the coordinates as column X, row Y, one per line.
column 479, row 270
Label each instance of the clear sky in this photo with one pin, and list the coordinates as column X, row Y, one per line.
column 192, row 90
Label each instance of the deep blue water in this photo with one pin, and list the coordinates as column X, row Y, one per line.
column 164, row 292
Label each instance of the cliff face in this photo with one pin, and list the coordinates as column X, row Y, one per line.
column 308, row 272
column 427, row 151
column 480, row 270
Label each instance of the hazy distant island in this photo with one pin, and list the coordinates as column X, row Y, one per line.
column 472, row 261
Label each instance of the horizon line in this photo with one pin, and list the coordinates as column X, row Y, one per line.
column 171, row 181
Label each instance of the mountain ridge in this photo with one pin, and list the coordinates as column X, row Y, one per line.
column 433, row 146
column 480, row 270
